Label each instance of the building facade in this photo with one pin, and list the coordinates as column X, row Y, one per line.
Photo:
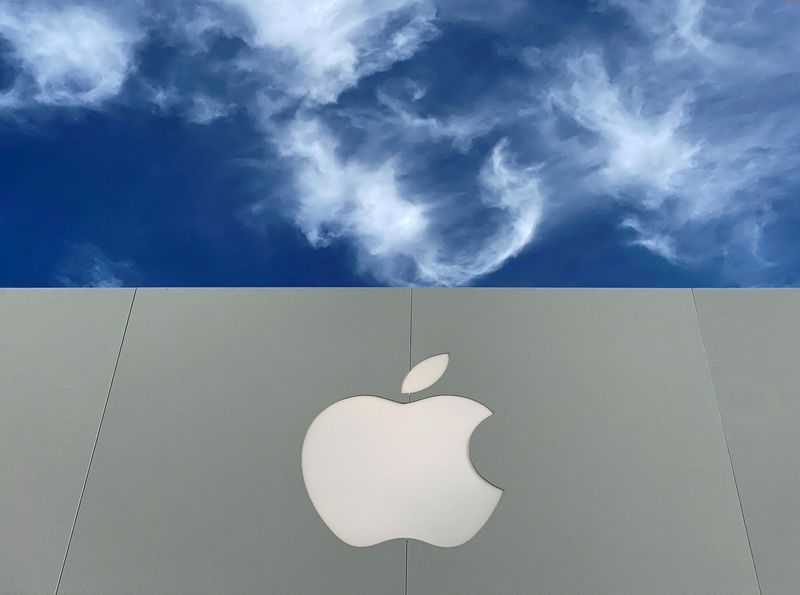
column 646, row 439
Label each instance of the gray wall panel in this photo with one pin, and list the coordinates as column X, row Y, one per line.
column 606, row 436
column 196, row 485
column 753, row 341
column 58, row 348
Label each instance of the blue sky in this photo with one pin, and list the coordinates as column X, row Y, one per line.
column 399, row 142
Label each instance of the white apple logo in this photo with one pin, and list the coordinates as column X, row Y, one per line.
column 377, row 470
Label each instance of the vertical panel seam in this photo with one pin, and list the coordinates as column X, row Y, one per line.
column 725, row 436
column 94, row 447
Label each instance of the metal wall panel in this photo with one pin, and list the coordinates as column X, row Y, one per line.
column 753, row 341
column 58, row 348
column 195, row 486
column 606, row 436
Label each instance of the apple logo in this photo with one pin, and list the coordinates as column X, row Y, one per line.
column 376, row 469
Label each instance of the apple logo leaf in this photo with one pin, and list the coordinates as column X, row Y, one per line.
column 425, row 373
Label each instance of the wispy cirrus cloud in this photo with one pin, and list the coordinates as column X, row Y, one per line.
column 459, row 129
column 399, row 230
column 339, row 198
column 397, row 233
column 67, row 54
column 681, row 120
column 204, row 109
column 634, row 148
column 86, row 265
column 316, row 50
column 695, row 131
column 654, row 135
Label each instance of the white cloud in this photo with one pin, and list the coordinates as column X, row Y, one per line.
column 672, row 127
column 311, row 51
column 338, row 199
column 399, row 233
column 204, row 109
column 642, row 150
column 658, row 243
column 196, row 107
column 690, row 131
column 71, row 55
column 397, row 237
column 485, row 14
column 86, row 265
column 689, row 125
column 321, row 48
column 461, row 129
column 517, row 192
column 675, row 25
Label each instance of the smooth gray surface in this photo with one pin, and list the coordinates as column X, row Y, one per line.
column 57, row 354
column 196, row 486
column 606, row 436
column 753, row 341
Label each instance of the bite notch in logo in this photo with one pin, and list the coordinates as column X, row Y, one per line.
column 376, row 469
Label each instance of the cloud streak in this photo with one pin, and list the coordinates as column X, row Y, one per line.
column 68, row 55
column 317, row 50
column 395, row 230
column 693, row 131
column 682, row 120
column 86, row 265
